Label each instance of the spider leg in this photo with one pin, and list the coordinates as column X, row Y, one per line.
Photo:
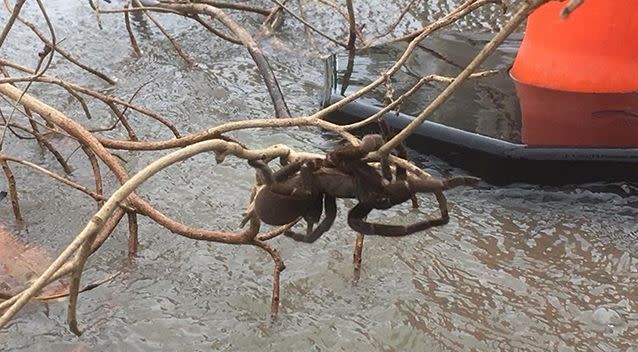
column 357, row 215
column 287, row 171
column 402, row 152
column 330, row 204
column 386, row 171
column 313, row 214
column 263, row 170
column 280, row 175
column 402, row 174
column 369, row 143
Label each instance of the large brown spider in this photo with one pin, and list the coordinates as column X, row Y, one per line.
column 305, row 188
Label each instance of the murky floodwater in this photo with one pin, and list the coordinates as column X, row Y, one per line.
column 518, row 268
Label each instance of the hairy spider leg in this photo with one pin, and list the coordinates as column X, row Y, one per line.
column 402, row 174
column 287, row 171
column 276, row 180
column 360, row 211
column 369, row 143
column 348, row 160
column 388, row 133
column 330, row 204
column 386, row 171
column 399, row 192
column 402, row 152
column 313, row 215
column 264, row 171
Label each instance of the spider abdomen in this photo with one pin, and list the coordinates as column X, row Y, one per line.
column 276, row 209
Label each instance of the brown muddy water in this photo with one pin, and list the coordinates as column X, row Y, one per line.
column 519, row 268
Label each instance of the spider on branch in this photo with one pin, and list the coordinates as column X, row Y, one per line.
column 307, row 188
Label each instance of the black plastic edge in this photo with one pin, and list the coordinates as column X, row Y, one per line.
column 501, row 162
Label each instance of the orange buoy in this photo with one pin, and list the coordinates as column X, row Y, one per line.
column 577, row 78
column 595, row 49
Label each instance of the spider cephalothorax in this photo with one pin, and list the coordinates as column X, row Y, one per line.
column 307, row 188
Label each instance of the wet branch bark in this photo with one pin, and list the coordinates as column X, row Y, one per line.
column 281, row 109
column 14, row 15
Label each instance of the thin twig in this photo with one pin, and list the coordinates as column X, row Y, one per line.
column 570, row 7
column 166, row 34
column 46, row 53
column 511, row 25
column 352, row 25
column 215, row 31
column 342, row 13
column 357, row 257
column 89, row 287
column 80, row 99
column 279, row 267
column 392, row 26
column 270, row 80
column 136, row 49
column 122, row 118
column 14, row 15
column 74, row 287
column 398, row 101
column 235, row 6
column 133, row 236
column 306, row 29
column 273, row 20
column 100, row 96
column 309, row 25
column 467, row 7
column 452, row 17
column 59, row 178
column 63, row 52
column 27, row 113
column 97, row 174
column 276, row 232
column 13, row 191
column 48, row 145
column 96, row 9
